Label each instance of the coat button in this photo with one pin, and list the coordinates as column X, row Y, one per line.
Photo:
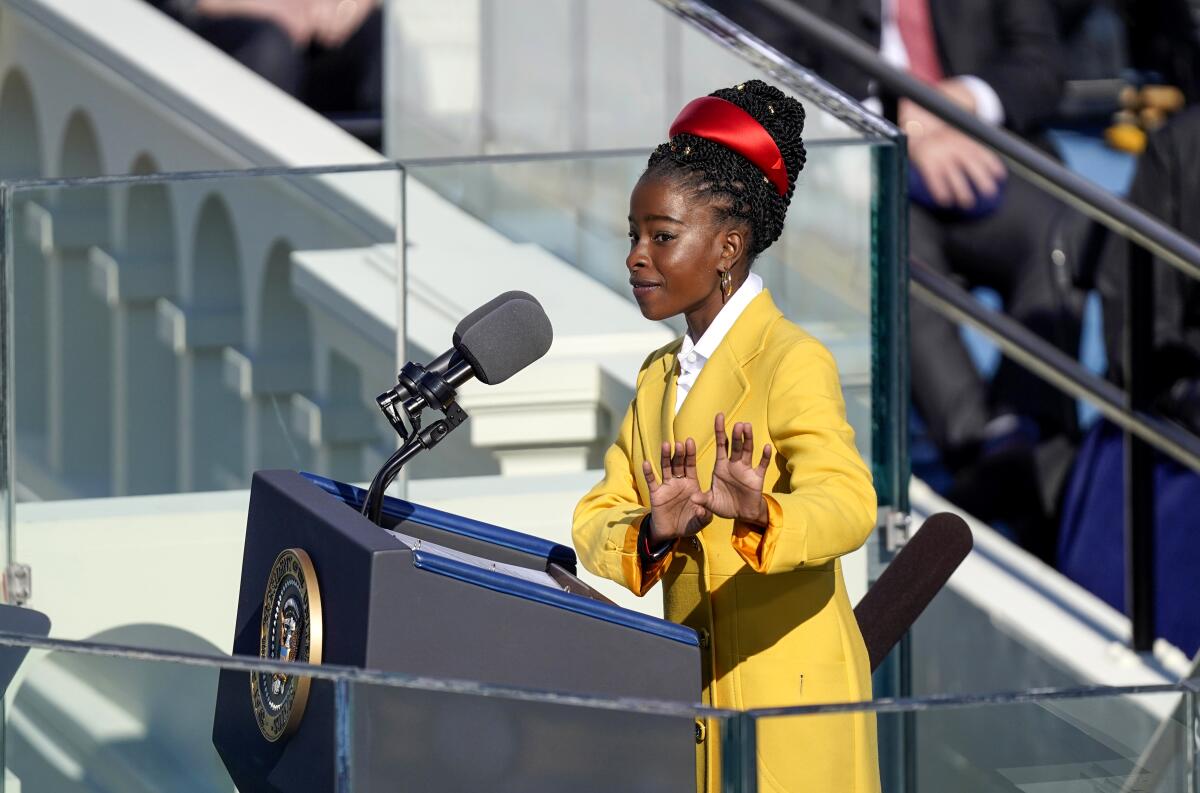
column 700, row 731
column 705, row 637
column 696, row 543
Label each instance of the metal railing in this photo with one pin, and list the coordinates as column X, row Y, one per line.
column 1131, row 409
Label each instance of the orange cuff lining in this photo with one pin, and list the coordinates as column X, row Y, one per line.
column 640, row 580
column 756, row 544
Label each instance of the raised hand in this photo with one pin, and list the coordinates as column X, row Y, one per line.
column 737, row 483
column 675, row 513
column 954, row 166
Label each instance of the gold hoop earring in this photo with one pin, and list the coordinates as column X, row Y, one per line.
column 727, row 284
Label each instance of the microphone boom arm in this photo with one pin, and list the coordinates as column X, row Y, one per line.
column 417, row 388
column 492, row 343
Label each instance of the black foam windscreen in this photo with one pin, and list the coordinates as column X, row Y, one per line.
column 513, row 333
column 910, row 582
column 466, row 322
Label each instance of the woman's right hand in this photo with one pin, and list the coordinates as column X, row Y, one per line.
column 674, row 514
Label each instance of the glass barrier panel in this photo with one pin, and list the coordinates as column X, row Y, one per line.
column 481, row 77
column 94, row 717
column 171, row 335
column 430, row 741
column 97, row 718
column 1101, row 742
column 76, row 722
column 174, row 334
column 550, row 220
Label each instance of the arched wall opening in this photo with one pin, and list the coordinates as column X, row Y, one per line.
column 21, row 157
column 218, row 412
column 283, row 366
column 21, row 154
column 81, row 389
column 151, row 369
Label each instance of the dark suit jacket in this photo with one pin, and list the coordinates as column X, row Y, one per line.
column 1010, row 44
column 1165, row 185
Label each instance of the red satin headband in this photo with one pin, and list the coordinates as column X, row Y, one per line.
column 721, row 121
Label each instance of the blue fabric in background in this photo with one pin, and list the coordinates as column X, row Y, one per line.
column 1085, row 152
column 1091, row 543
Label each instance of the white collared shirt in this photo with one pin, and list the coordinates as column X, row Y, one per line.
column 693, row 355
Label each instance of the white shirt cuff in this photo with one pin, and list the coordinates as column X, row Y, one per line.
column 987, row 103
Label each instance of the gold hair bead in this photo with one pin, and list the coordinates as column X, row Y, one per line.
column 765, row 179
column 741, row 86
column 771, row 109
column 687, row 150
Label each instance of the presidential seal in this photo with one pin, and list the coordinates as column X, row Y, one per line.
column 291, row 631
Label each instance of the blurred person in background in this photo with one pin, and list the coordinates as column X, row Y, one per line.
column 326, row 53
column 1091, row 548
column 1166, row 185
column 970, row 218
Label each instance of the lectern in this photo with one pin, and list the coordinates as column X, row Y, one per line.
column 434, row 594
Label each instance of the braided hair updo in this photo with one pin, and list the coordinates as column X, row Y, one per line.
column 734, row 185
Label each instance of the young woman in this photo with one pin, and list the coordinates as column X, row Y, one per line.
column 745, row 539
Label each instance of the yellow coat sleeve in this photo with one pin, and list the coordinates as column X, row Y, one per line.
column 828, row 505
column 607, row 520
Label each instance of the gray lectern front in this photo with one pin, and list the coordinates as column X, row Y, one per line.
column 438, row 595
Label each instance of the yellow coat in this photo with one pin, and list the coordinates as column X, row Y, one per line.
column 775, row 624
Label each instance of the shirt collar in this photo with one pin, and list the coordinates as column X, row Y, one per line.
column 733, row 308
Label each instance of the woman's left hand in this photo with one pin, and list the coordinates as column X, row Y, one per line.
column 737, row 483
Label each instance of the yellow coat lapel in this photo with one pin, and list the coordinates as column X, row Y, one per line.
column 654, row 408
column 722, row 386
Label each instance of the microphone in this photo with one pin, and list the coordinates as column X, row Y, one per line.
column 910, row 582
column 444, row 361
column 470, row 319
column 492, row 343
column 503, row 340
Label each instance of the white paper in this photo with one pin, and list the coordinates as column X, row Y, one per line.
column 524, row 573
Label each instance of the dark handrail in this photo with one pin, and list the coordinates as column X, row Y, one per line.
column 1115, row 213
column 780, row 68
column 1048, row 362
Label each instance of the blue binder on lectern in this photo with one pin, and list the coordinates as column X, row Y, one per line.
column 435, row 594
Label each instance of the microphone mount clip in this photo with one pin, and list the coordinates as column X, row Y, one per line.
column 417, row 387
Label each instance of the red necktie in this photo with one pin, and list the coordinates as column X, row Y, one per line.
column 916, row 30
